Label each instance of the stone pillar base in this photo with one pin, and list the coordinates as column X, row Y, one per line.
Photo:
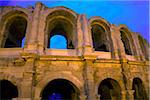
column 130, row 93
column 98, row 97
column 22, row 99
column 83, row 97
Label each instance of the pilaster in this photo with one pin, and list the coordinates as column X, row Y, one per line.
column 79, row 36
column 123, row 93
column 27, row 84
column 32, row 41
column 114, row 35
column 41, row 32
column 120, row 45
column 130, row 94
column 2, row 38
column 98, row 97
column 89, row 79
column 87, row 36
column 136, row 47
column 83, row 97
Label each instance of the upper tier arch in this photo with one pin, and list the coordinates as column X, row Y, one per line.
column 101, row 21
column 60, row 20
column 63, row 9
column 101, row 35
column 127, row 39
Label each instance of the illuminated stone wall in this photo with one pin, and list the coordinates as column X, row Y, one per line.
column 93, row 73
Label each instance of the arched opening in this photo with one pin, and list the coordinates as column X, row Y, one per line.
column 58, row 42
column 126, row 43
column 142, row 43
column 61, row 23
column 60, row 89
column 109, row 89
column 8, row 91
column 139, row 90
column 99, row 38
column 15, row 32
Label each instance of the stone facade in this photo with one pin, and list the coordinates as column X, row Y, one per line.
column 115, row 66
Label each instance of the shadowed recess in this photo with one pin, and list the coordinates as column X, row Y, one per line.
column 7, row 90
column 140, row 93
column 109, row 89
column 60, row 89
column 15, row 32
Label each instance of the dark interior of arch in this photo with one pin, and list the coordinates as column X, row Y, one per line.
column 60, row 89
column 16, row 30
column 7, row 90
column 140, row 93
column 99, row 38
column 126, row 43
column 64, row 28
column 109, row 89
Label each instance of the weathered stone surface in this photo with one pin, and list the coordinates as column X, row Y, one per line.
column 34, row 66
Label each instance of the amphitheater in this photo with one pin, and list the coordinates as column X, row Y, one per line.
column 102, row 61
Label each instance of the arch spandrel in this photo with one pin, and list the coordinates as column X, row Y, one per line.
column 8, row 15
column 125, row 29
column 15, row 81
column 44, row 81
column 99, row 20
column 60, row 8
column 11, row 78
column 12, row 10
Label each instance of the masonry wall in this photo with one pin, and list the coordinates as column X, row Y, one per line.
column 32, row 67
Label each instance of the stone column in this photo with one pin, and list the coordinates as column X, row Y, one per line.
column 120, row 45
column 114, row 36
column 123, row 95
column 140, row 55
column 26, row 87
column 83, row 97
column 32, row 41
column 41, row 33
column 27, row 84
column 79, row 36
column 89, row 80
column 127, row 76
column 2, row 38
column 98, row 97
column 37, row 93
column 87, row 36
column 130, row 94
column 136, row 48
